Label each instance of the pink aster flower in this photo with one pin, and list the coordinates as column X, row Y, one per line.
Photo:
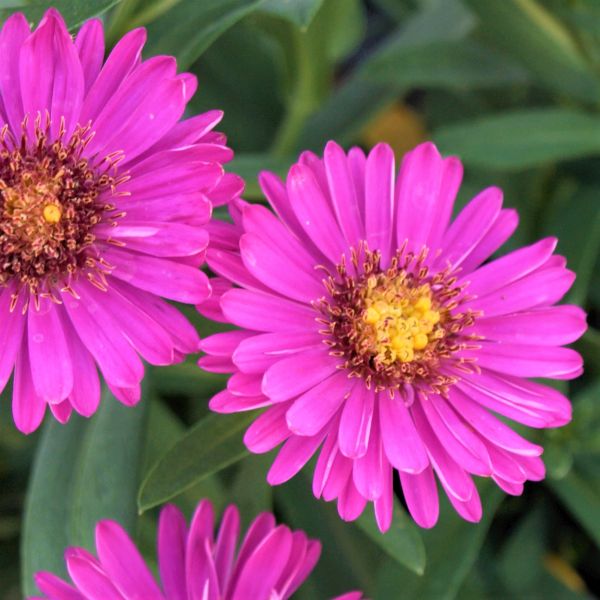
column 270, row 564
column 104, row 196
column 372, row 328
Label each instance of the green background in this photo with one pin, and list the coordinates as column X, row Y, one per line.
column 510, row 86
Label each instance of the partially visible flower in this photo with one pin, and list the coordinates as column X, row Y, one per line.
column 373, row 331
column 104, row 194
column 270, row 564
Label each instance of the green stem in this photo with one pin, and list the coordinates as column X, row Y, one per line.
column 308, row 73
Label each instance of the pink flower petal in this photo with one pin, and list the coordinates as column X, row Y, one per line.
column 427, row 186
column 470, row 227
column 257, row 353
column 351, row 503
column 201, row 575
column 456, row 436
column 172, row 536
column 51, row 366
column 259, row 529
column 265, row 312
column 268, row 430
column 384, row 505
column 379, row 200
column 355, row 422
column 91, row 579
column 122, row 562
column 370, row 470
column 160, row 276
column 90, row 45
column 55, row 588
column 13, row 34
column 273, row 268
column 313, row 410
column 500, row 230
column 541, row 288
column 275, row 192
column 50, row 74
column 401, row 441
column 420, row 493
column 490, row 427
column 295, row 375
column 294, row 454
column 264, row 567
column 453, row 477
column 527, row 361
column 28, row 407
column 225, row 402
column 224, row 344
column 511, row 267
column 116, row 358
column 227, row 539
column 122, row 60
column 12, row 326
column 314, row 212
column 551, row 326
column 343, row 195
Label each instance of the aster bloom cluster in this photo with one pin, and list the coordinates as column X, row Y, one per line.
column 372, row 328
column 270, row 564
column 104, row 194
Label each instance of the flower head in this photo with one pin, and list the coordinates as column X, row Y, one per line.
column 270, row 564
column 104, row 195
column 372, row 328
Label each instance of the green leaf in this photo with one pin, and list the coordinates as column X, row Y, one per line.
column 244, row 60
column 47, row 506
column 522, row 139
column 308, row 70
column 349, row 25
column 437, row 21
column 249, row 166
column 534, row 577
column 573, row 217
column 347, row 556
column 402, row 541
column 136, row 13
column 539, row 41
column 190, row 27
column 298, row 12
column 526, row 539
column 589, row 347
column 74, row 12
column 579, row 491
column 84, row 471
column 431, row 50
column 163, row 431
column 344, row 115
column 212, row 444
column 107, row 474
column 249, row 489
column 187, row 379
column 452, row 64
column 11, row 4
column 452, row 547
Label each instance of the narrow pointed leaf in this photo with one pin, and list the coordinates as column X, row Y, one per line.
column 402, row 541
column 211, row 445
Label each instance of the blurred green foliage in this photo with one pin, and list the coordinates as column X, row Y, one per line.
column 513, row 88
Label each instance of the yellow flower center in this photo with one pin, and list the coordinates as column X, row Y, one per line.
column 398, row 321
column 32, row 208
column 51, row 199
column 52, row 213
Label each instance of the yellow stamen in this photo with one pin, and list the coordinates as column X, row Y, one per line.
column 398, row 321
column 52, row 213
